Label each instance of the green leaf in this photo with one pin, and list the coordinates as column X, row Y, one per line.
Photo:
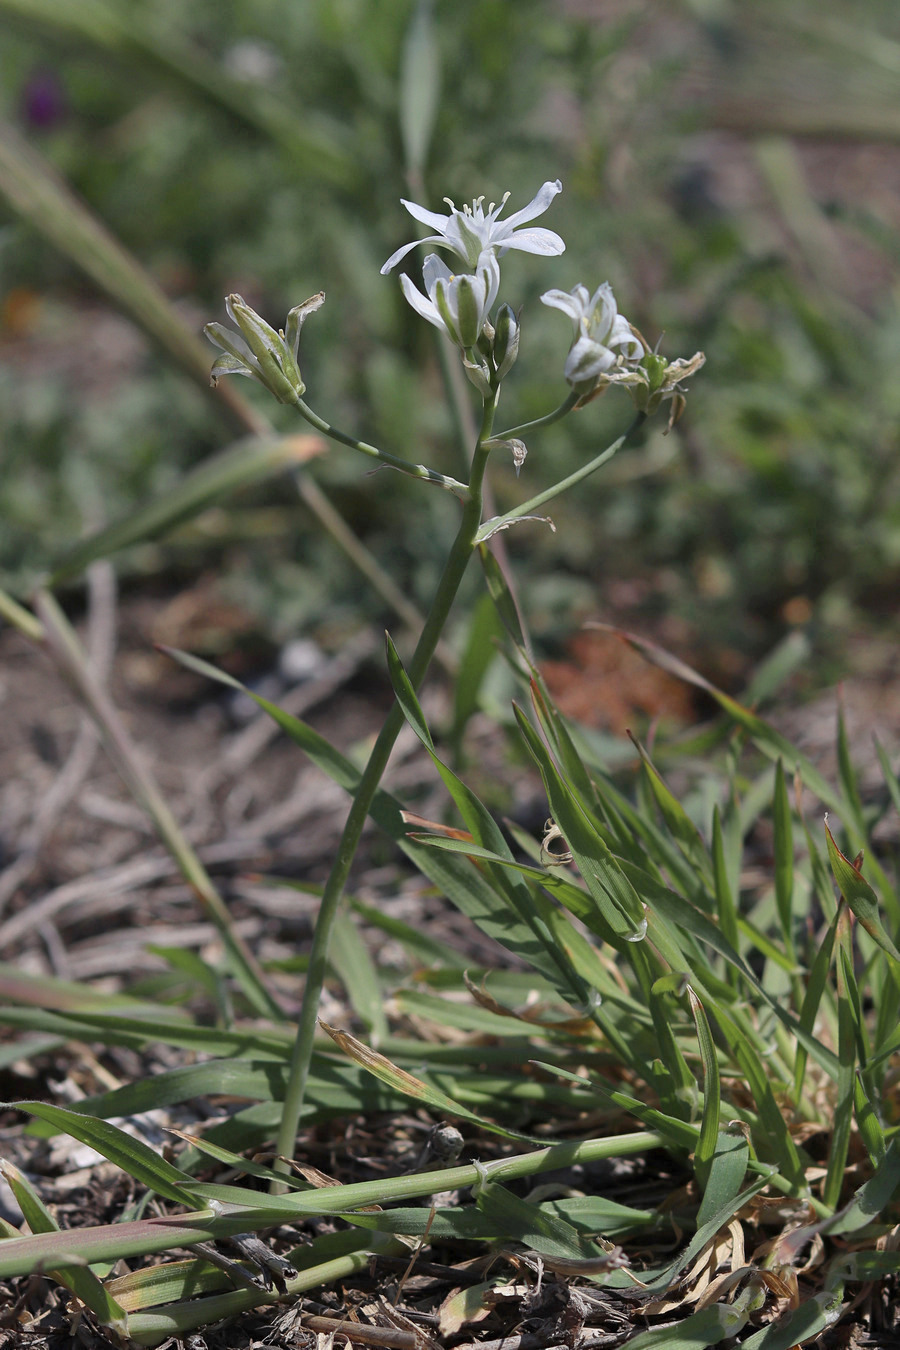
column 784, row 858
column 82, row 1282
column 410, row 1086
column 251, row 460
column 724, row 891
column 502, row 597
column 546, row 1234
column 420, row 86
column 712, row 1092
column 860, row 897
column 870, row 1129
column 873, row 1197
column 480, row 652
column 619, row 912
column 727, row 1170
column 132, row 1155
column 678, row 822
column 350, row 957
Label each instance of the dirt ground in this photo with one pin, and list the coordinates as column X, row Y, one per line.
column 85, row 886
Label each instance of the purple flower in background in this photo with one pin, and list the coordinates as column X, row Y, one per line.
column 43, row 100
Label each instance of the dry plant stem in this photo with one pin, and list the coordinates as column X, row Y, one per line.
column 71, row 661
column 455, row 568
column 101, row 644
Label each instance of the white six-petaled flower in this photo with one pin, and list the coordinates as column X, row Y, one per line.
column 457, row 304
column 472, row 231
column 604, row 338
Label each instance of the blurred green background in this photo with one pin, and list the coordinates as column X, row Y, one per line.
column 732, row 169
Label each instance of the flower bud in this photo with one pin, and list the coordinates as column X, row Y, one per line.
column 258, row 351
column 506, row 340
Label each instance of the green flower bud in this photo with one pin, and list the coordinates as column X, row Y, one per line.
column 506, row 340
column 258, row 351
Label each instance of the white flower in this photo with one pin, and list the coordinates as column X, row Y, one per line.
column 457, row 304
column 470, row 232
column 604, row 338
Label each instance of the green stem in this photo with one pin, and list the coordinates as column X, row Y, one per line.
column 528, row 508
column 394, row 461
column 454, row 570
column 546, row 421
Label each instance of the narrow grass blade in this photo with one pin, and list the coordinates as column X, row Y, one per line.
column 707, row 1327
column 692, row 924
column 860, row 897
column 469, row 891
column 512, row 890
column 18, row 617
column 618, row 904
column 784, row 858
column 712, row 1092
column 502, row 597
column 849, row 780
column 678, row 822
column 132, row 1155
column 423, row 948
column 82, row 1282
column 726, row 906
column 815, row 989
column 727, row 1170
column 480, row 651
column 873, row 1197
column 250, row 461
column 352, row 960
column 420, row 85
column 773, row 1139
column 199, row 974
column 519, row 1221
column 410, row 1086
column 677, row 1133
column 73, row 664
column 891, row 781
column 842, row 1117
column 869, row 1125
column 770, row 741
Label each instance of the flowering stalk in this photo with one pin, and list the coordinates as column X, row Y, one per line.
column 605, row 350
column 454, row 570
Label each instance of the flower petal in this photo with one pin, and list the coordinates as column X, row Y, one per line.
column 230, row 342
column 540, row 241
column 408, row 248
column 587, row 359
column 573, row 304
column 537, row 206
column 229, row 365
column 421, row 304
column 435, row 219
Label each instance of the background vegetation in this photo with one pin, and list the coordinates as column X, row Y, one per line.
column 733, row 171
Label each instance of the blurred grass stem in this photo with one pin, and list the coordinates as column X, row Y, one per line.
column 73, row 664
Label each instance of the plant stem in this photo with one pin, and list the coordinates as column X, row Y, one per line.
column 454, row 570
column 393, row 461
column 528, row 508
column 547, row 420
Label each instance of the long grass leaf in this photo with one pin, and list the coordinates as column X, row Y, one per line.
column 132, row 1155
column 861, row 898
column 784, row 858
column 410, row 1086
column 712, row 1092
column 84, row 1283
